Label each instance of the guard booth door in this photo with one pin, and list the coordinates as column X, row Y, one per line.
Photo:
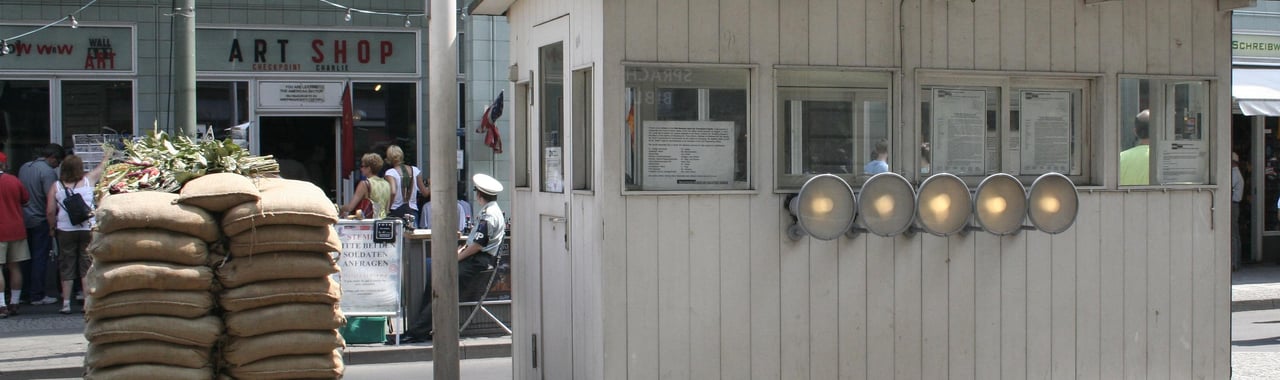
column 306, row 148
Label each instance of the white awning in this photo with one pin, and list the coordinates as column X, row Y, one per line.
column 1257, row 91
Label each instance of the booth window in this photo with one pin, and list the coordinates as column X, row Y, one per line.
column 551, row 97
column 1016, row 125
column 832, row 122
column 520, row 125
column 1162, row 134
column 583, row 125
column 686, row 128
column 91, row 109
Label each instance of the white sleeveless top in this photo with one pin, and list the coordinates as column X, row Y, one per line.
column 86, row 191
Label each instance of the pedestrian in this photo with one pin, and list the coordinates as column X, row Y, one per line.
column 37, row 176
column 13, row 236
column 407, row 180
column 478, row 254
column 73, row 239
column 374, row 189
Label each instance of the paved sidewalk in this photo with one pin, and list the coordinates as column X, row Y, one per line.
column 1255, row 287
column 42, row 344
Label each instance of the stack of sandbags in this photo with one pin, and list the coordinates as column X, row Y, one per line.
column 280, row 302
column 151, row 290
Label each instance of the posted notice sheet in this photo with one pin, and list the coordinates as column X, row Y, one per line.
column 687, row 155
column 959, row 131
column 1045, row 123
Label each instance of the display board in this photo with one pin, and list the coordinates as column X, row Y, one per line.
column 372, row 273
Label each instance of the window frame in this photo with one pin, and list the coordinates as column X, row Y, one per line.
column 1207, row 131
column 1085, row 130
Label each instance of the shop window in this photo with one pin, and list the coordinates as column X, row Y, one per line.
column 1162, row 134
column 91, row 109
column 834, row 122
column 583, row 125
column 24, row 120
column 1017, row 125
column 686, row 128
column 386, row 114
column 222, row 109
column 551, row 97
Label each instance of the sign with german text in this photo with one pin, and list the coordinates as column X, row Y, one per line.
column 371, row 271
column 687, row 155
column 63, row 48
column 306, row 51
column 300, row 95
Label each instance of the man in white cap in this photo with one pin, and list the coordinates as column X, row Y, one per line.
column 478, row 254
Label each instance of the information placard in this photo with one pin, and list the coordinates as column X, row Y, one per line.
column 959, row 131
column 1182, row 162
column 1045, row 121
column 687, row 155
column 371, row 272
column 300, row 95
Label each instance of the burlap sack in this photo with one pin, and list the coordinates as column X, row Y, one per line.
column 153, row 209
column 183, row 304
column 149, row 371
column 218, row 192
column 107, row 278
column 275, row 266
column 327, row 366
column 313, row 290
column 241, row 351
column 148, row 245
column 283, row 202
column 146, row 352
column 199, row 332
column 279, row 238
column 289, row 317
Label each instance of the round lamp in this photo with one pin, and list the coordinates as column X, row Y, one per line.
column 943, row 205
column 1053, row 203
column 887, row 204
column 825, row 207
column 1000, row 204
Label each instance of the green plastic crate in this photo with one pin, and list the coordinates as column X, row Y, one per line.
column 360, row 330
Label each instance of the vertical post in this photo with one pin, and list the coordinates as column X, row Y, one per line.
column 184, row 69
column 1259, row 204
column 443, row 112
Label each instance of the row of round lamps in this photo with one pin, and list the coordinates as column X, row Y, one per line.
column 889, row 205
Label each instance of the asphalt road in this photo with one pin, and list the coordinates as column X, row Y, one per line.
column 1255, row 345
column 472, row 369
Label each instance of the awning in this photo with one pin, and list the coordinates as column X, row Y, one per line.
column 1257, row 91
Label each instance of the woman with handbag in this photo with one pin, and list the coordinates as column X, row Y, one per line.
column 407, row 180
column 73, row 235
column 373, row 195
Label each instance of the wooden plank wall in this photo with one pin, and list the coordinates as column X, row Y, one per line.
column 708, row 287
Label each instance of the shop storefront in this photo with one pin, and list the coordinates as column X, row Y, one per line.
column 1256, row 139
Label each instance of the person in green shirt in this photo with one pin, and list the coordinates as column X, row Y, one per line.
column 1135, row 162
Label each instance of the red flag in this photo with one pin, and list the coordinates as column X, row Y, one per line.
column 491, row 136
column 348, row 133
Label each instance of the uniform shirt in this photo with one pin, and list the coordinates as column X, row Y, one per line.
column 12, row 196
column 1135, row 164
column 37, row 176
column 490, row 229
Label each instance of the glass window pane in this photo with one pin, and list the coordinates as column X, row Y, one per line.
column 832, row 122
column 551, row 100
column 221, row 106
column 24, row 120
column 520, row 124
column 1162, row 134
column 583, row 126
column 959, row 125
column 687, row 128
column 94, row 108
column 386, row 114
column 1045, row 122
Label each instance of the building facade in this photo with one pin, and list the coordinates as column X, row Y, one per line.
column 659, row 142
column 1255, row 121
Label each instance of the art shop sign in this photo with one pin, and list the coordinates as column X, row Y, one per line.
column 306, row 51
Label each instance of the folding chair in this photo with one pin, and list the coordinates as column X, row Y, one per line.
column 491, row 277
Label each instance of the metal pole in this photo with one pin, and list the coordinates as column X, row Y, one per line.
column 184, row 69
column 443, row 112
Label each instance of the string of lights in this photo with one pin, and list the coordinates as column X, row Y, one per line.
column 350, row 10
column 5, row 48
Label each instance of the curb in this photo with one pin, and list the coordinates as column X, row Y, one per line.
column 1253, row 305
column 356, row 355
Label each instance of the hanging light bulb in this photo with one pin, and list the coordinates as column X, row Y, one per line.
column 348, row 16
column 406, row 22
column 74, row 24
column 4, row 47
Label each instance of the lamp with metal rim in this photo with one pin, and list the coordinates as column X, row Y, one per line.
column 824, row 208
column 1000, row 204
column 886, row 204
column 1053, row 203
column 943, row 205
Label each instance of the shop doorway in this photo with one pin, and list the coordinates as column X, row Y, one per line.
column 305, row 147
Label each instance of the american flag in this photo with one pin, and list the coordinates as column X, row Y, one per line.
column 491, row 113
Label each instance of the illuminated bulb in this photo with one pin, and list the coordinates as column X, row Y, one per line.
column 4, row 48
column 348, row 16
column 406, row 22
column 883, row 204
column 940, row 204
column 74, row 24
column 995, row 205
column 822, row 205
column 377, row 87
column 1050, row 204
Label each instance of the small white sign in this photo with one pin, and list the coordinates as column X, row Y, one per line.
column 554, row 168
column 370, row 276
column 688, row 155
column 300, row 95
column 1182, row 162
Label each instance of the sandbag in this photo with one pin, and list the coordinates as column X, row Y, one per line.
column 241, row 351
column 183, row 304
column 279, row 238
column 148, row 245
column 275, row 266
column 313, row 290
column 153, row 209
column 146, row 352
column 149, row 371
column 218, row 192
column 282, row 202
column 327, row 366
column 288, row 317
column 199, row 332
column 107, row 278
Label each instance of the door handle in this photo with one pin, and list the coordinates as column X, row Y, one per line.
column 558, row 219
